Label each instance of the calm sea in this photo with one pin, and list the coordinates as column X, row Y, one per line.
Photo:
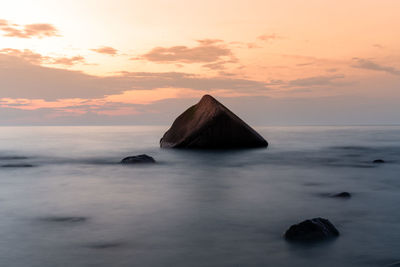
column 78, row 207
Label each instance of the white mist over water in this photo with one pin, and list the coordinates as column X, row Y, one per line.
column 78, row 207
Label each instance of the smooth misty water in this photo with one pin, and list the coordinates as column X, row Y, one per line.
column 78, row 207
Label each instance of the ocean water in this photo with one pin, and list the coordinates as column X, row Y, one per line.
column 78, row 207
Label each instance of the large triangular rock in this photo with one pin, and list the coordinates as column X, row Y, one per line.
column 210, row 125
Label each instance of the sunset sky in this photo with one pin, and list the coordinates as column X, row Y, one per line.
column 143, row 62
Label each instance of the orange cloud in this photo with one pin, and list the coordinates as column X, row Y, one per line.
column 207, row 51
column 38, row 30
column 108, row 50
column 26, row 54
column 209, row 41
column 68, row 61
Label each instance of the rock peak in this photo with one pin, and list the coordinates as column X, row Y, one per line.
column 207, row 98
column 210, row 125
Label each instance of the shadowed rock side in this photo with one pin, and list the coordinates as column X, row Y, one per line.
column 210, row 125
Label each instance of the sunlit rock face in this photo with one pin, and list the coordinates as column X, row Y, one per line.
column 210, row 125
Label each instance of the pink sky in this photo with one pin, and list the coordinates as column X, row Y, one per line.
column 143, row 62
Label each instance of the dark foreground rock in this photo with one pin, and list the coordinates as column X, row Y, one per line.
column 394, row 264
column 316, row 229
column 342, row 195
column 210, row 125
column 138, row 159
column 377, row 161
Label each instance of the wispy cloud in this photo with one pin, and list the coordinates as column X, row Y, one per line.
column 268, row 37
column 108, row 50
column 259, row 42
column 368, row 64
column 36, row 58
column 315, row 81
column 39, row 30
column 378, row 46
column 220, row 65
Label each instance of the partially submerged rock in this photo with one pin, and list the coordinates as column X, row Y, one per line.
column 12, row 157
column 210, row 125
column 19, row 165
column 105, row 245
column 316, row 229
column 342, row 195
column 64, row 219
column 143, row 158
column 378, row 161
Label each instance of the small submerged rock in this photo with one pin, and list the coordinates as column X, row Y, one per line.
column 17, row 165
column 104, row 245
column 316, row 229
column 138, row 159
column 378, row 161
column 342, row 195
column 12, row 157
column 64, row 219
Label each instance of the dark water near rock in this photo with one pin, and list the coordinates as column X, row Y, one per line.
column 76, row 206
